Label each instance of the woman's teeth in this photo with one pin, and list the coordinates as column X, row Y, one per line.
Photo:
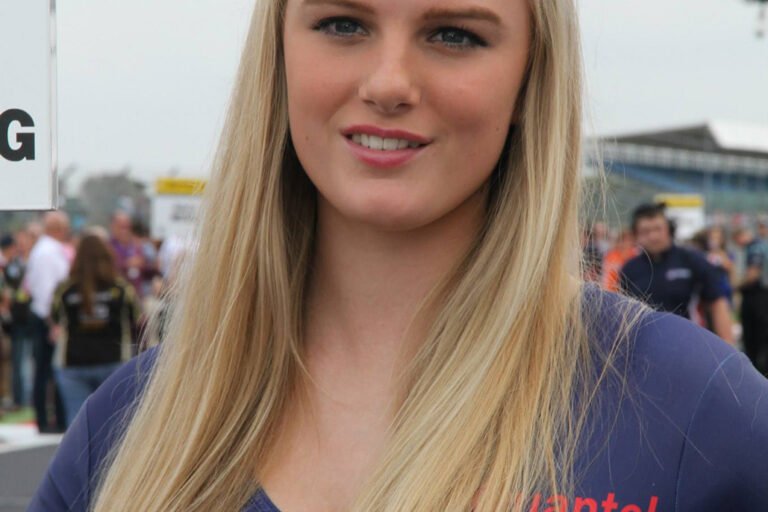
column 374, row 142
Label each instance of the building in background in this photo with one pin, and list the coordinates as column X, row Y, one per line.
column 725, row 163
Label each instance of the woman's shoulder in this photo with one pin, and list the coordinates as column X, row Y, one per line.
column 124, row 285
column 693, row 411
column 718, row 400
column 659, row 351
column 72, row 474
column 116, row 396
column 64, row 287
column 662, row 339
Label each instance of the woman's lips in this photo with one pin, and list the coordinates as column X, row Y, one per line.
column 385, row 133
column 382, row 159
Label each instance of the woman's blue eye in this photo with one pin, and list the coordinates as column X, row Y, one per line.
column 458, row 38
column 341, row 27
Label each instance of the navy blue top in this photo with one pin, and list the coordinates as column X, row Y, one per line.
column 669, row 281
column 688, row 431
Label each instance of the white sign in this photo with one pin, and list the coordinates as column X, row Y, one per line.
column 687, row 211
column 27, row 105
column 175, row 207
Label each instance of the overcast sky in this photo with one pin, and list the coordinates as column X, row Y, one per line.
column 144, row 84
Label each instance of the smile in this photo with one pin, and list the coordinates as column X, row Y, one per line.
column 384, row 148
column 382, row 144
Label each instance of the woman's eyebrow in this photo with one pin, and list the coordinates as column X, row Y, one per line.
column 351, row 4
column 441, row 13
column 474, row 13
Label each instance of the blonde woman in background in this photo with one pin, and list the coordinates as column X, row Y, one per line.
column 384, row 312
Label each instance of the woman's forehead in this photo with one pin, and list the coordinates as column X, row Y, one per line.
column 492, row 11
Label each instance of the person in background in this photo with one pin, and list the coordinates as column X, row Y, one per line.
column 17, row 320
column 592, row 256
column 128, row 253
column 149, row 257
column 601, row 237
column 762, row 227
column 25, row 240
column 35, row 230
column 48, row 266
column 753, row 286
column 170, row 255
column 669, row 277
column 711, row 244
column 5, row 384
column 94, row 316
column 7, row 250
column 624, row 250
column 70, row 247
column 719, row 257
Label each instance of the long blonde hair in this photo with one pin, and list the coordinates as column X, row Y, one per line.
column 490, row 397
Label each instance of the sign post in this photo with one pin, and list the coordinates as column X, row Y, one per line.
column 27, row 105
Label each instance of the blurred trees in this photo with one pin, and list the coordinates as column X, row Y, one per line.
column 101, row 194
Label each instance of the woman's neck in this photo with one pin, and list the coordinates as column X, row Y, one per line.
column 364, row 288
column 367, row 283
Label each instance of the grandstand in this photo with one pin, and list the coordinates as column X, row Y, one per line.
column 727, row 163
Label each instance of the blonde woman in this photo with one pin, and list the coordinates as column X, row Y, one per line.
column 393, row 319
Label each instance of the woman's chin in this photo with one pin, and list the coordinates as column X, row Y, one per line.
column 389, row 218
column 393, row 221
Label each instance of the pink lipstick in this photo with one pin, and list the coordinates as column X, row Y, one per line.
column 383, row 148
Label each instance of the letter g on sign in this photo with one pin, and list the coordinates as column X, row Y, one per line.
column 25, row 140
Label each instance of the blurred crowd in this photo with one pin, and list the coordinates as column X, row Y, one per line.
column 74, row 307
column 717, row 278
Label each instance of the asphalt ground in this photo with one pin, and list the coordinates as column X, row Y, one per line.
column 20, row 473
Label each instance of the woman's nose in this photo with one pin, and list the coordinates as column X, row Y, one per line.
column 390, row 85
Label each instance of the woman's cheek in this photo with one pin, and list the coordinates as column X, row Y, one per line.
column 317, row 94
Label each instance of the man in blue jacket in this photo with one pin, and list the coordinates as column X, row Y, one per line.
column 669, row 277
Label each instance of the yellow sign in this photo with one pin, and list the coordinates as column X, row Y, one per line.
column 680, row 200
column 179, row 186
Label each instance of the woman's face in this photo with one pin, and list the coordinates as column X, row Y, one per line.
column 715, row 238
column 435, row 79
